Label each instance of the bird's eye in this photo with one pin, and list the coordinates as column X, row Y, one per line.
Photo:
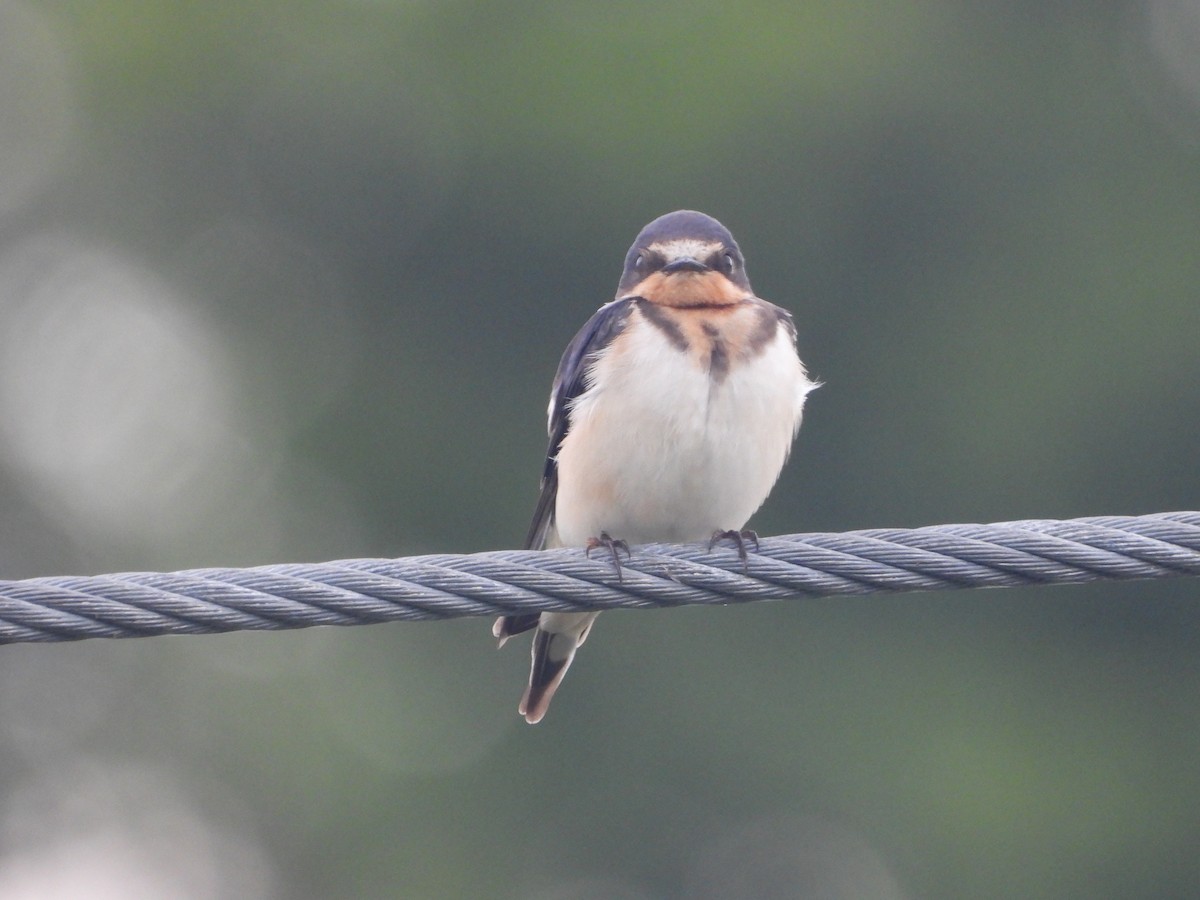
column 639, row 262
column 728, row 263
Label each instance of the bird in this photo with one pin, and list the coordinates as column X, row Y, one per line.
column 671, row 415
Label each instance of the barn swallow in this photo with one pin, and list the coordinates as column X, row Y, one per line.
column 672, row 413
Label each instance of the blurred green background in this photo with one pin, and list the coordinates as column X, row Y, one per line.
column 289, row 281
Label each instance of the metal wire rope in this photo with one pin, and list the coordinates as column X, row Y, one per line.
column 364, row 591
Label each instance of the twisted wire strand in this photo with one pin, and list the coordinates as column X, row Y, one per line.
column 364, row 591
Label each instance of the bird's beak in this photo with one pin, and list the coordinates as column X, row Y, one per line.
column 687, row 264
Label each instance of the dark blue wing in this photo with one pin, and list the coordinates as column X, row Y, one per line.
column 569, row 383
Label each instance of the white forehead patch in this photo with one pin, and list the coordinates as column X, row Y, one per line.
column 685, row 248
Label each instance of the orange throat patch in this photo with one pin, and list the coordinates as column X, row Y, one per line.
column 681, row 290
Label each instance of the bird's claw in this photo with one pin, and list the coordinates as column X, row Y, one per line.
column 614, row 547
column 739, row 539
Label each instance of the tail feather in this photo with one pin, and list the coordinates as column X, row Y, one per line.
column 557, row 638
column 507, row 626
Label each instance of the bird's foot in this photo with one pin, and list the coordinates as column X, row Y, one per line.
column 739, row 539
column 614, row 547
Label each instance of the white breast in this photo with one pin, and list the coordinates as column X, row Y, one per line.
column 660, row 451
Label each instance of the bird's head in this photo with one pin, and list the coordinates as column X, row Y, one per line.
column 685, row 259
